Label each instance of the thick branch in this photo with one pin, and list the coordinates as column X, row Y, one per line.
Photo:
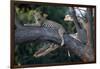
column 28, row 34
column 80, row 30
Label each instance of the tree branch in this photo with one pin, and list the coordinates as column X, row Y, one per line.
column 30, row 34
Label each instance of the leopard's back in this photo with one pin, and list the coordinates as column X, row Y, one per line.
column 52, row 24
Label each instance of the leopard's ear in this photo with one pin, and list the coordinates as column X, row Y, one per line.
column 45, row 15
column 34, row 12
